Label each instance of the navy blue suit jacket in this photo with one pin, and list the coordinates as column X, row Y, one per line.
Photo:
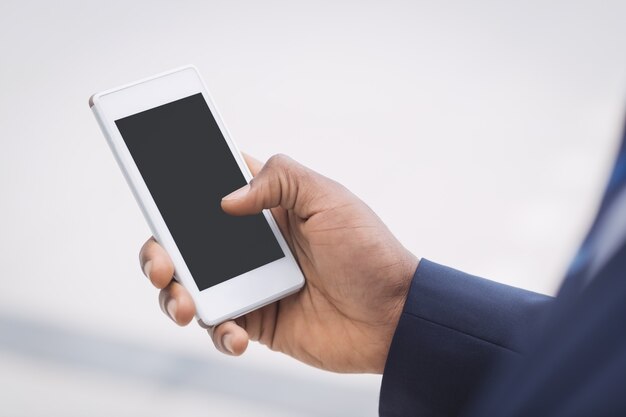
column 472, row 347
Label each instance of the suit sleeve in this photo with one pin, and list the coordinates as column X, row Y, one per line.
column 453, row 329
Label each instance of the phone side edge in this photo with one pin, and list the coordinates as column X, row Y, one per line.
column 103, row 128
column 135, row 192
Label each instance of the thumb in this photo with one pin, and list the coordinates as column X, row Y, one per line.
column 281, row 182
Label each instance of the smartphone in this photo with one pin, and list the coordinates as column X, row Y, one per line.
column 179, row 161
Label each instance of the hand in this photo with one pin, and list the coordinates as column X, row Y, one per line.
column 357, row 273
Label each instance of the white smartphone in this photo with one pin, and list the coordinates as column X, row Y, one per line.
column 179, row 160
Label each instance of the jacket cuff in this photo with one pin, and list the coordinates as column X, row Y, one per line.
column 453, row 328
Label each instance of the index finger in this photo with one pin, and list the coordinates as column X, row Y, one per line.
column 156, row 263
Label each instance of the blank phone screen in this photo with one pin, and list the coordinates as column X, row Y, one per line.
column 188, row 167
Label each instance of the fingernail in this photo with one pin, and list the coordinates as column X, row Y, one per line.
column 170, row 306
column 227, row 342
column 237, row 194
column 146, row 268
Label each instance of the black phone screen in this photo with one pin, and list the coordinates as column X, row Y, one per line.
column 188, row 167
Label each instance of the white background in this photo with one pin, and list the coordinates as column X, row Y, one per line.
column 481, row 132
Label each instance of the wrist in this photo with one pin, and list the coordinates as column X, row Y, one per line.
column 401, row 285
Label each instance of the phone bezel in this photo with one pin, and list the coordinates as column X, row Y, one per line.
column 233, row 297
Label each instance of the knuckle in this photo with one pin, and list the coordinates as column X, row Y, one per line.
column 278, row 160
column 148, row 249
column 144, row 249
column 284, row 168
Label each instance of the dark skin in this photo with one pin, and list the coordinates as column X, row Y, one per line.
column 357, row 273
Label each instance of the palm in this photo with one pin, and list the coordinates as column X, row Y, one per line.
column 348, row 257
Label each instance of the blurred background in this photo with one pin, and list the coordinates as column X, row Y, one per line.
column 481, row 132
